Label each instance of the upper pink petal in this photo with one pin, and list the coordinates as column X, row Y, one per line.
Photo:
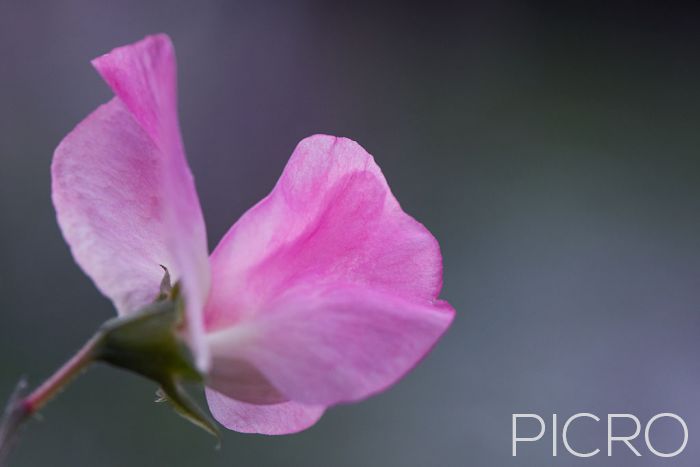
column 331, row 217
column 332, row 344
column 273, row 419
column 124, row 194
column 326, row 287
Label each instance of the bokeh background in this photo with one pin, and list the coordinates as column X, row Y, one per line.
column 553, row 151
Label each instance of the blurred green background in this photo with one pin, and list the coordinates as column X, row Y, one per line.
column 553, row 151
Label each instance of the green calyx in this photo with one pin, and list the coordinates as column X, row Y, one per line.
column 148, row 343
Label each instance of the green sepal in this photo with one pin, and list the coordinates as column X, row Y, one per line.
column 148, row 343
column 183, row 404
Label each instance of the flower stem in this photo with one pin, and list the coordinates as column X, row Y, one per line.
column 52, row 386
column 146, row 342
column 20, row 408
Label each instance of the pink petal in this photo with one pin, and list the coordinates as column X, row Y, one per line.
column 330, row 218
column 239, row 379
column 106, row 181
column 276, row 419
column 326, row 287
column 338, row 343
column 123, row 192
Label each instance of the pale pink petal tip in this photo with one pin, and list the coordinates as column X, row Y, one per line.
column 274, row 419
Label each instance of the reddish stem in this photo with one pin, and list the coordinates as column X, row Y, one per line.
column 52, row 386
column 19, row 408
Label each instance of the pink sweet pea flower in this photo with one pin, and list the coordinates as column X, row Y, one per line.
column 324, row 292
